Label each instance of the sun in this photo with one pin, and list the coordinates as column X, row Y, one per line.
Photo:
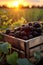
column 16, row 4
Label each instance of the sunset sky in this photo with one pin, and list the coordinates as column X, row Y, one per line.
column 12, row 3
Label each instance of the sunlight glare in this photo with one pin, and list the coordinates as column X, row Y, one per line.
column 16, row 4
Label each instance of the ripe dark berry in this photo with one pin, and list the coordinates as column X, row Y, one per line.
column 25, row 37
column 23, row 33
column 17, row 34
column 36, row 25
column 35, row 33
column 30, row 24
column 7, row 31
column 39, row 30
column 30, row 36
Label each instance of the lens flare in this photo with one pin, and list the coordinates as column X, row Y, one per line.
column 16, row 4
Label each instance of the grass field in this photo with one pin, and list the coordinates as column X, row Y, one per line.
column 28, row 14
column 10, row 18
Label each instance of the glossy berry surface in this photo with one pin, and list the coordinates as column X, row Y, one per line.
column 27, row 31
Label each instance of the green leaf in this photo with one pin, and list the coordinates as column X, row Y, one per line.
column 1, row 37
column 1, row 59
column 37, row 55
column 12, row 59
column 4, row 46
column 24, row 62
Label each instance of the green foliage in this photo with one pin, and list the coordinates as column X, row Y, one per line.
column 12, row 59
column 16, row 24
column 1, row 37
column 37, row 55
column 24, row 62
column 4, row 47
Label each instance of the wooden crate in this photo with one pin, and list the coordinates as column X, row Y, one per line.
column 27, row 46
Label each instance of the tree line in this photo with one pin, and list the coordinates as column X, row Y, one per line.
column 23, row 7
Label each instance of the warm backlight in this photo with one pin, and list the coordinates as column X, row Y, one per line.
column 16, row 4
column 13, row 4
